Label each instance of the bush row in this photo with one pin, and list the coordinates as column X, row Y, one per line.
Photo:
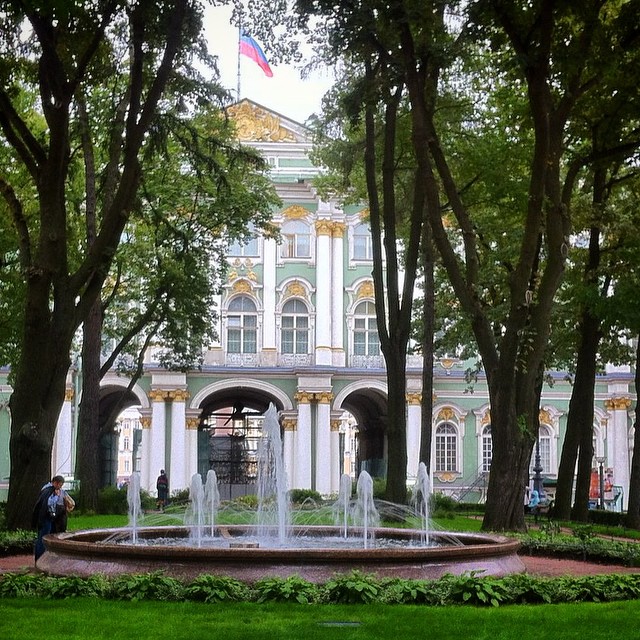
column 354, row 588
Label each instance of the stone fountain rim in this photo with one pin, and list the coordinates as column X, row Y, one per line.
column 86, row 543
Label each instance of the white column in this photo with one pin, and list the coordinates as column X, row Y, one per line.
column 617, row 449
column 323, row 293
column 62, row 462
column 337, row 296
column 191, row 447
column 414, row 415
column 177, row 468
column 269, row 294
column 156, row 451
column 145, row 451
column 323, row 443
column 288, row 448
column 302, row 447
column 335, row 462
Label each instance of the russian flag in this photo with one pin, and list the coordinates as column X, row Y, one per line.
column 250, row 48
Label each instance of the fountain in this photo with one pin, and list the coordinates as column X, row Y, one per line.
column 275, row 547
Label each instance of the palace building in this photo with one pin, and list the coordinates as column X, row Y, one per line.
column 297, row 329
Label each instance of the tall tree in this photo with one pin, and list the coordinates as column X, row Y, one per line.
column 59, row 49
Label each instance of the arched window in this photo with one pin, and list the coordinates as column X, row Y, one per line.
column 446, row 442
column 487, row 449
column 362, row 248
column 296, row 240
column 295, row 327
column 248, row 246
column 242, row 325
column 365, row 330
column 544, row 444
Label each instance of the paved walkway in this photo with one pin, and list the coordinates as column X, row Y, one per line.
column 535, row 565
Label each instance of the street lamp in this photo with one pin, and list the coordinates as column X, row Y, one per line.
column 601, row 460
column 537, row 472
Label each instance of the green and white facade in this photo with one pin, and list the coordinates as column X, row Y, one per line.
column 297, row 329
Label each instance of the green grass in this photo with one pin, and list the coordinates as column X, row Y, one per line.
column 83, row 619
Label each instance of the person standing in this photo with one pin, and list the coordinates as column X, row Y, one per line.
column 162, row 486
column 49, row 513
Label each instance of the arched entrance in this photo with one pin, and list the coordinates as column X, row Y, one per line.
column 228, row 435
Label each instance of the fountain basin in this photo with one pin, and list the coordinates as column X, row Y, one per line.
column 85, row 553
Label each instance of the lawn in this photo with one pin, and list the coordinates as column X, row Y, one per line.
column 84, row 619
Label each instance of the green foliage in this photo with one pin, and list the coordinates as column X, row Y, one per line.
column 472, row 589
column 300, row 496
column 290, row 589
column 352, row 588
column 442, row 506
column 149, row 586
column 15, row 542
column 211, row 589
column 112, row 501
column 95, row 586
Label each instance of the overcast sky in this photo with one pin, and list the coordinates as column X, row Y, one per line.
column 285, row 92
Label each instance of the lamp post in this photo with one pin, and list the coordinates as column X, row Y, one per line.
column 537, row 472
column 601, row 460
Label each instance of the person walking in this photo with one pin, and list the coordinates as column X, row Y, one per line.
column 49, row 513
column 162, row 486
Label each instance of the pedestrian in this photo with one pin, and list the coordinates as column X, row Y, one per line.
column 162, row 486
column 49, row 512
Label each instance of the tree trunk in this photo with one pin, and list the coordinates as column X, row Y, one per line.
column 426, row 430
column 633, row 509
column 579, row 432
column 88, row 447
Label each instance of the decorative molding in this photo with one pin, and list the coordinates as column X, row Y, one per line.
column 365, row 290
column 324, row 228
column 324, row 397
column 446, row 476
column 192, row 424
column 290, row 424
column 335, row 425
column 295, row 289
column 295, row 212
column 145, row 422
column 158, row 395
column 242, row 286
column 303, row 397
column 445, row 414
column 258, row 125
column 617, row 404
column 69, row 394
column 414, row 398
column 364, row 214
column 179, row 395
column 486, row 418
column 338, row 229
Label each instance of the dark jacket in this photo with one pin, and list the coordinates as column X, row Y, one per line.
column 40, row 509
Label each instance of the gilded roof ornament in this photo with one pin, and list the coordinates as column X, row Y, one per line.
column 254, row 124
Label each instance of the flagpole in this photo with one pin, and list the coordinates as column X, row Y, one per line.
column 238, row 78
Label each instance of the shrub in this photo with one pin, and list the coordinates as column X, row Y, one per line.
column 112, row 501
column 290, row 589
column 301, row 496
column 148, row 586
column 15, row 542
column 211, row 589
column 353, row 588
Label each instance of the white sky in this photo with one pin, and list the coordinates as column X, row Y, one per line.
column 285, row 93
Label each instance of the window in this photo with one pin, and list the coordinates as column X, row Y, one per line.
column 362, row 249
column 247, row 246
column 446, row 447
column 544, row 445
column 296, row 240
column 125, row 443
column 365, row 330
column 242, row 325
column 295, row 327
column 487, row 449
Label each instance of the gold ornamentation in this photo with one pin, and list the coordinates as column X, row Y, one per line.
column 364, row 214
column 242, row 286
column 446, row 476
column 414, row 398
column 338, row 230
column 617, row 404
column 158, row 395
column 486, row 418
column 365, row 290
column 445, row 414
column 324, row 227
column 295, row 212
column 545, row 417
column 69, row 394
column 289, row 424
column 335, row 425
column 324, row 397
column 257, row 125
column 303, row 397
column 179, row 395
column 145, row 422
column 296, row 289
column 193, row 424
